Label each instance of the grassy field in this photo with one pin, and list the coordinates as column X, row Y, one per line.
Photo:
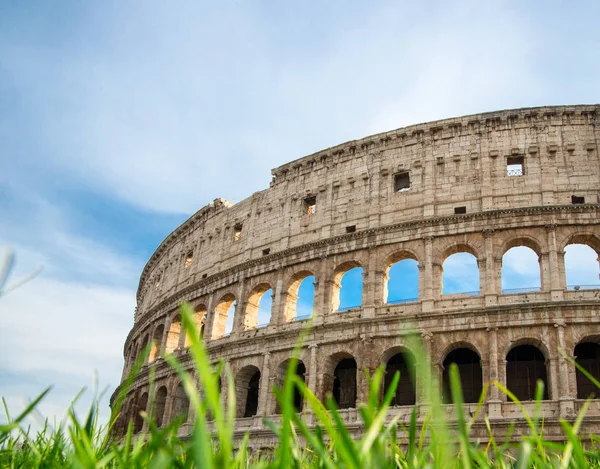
column 83, row 443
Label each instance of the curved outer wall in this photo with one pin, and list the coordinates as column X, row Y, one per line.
column 269, row 239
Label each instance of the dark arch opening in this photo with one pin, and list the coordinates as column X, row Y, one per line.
column 301, row 373
column 344, row 383
column 469, row 369
column 587, row 354
column 159, row 405
column 252, row 395
column 405, row 392
column 140, row 406
column 525, row 365
column 181, row 404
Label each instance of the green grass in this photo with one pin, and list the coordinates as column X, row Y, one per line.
column 434, row 442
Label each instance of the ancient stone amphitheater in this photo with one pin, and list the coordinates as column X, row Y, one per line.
column 479, row 184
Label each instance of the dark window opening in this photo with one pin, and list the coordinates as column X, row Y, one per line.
column 587, row 354
column 188, row 259
column 401, row 182
column 577, row 200
column 266, row 252
column 298, row 398
column 204, row 275
column 310, row 205
column 351, row 229
column 459, row 210
column 237, row 232
column 405, row 392
column 252, row 396
column 469, row 370
column 515, row 166
column 525, row 365
column 344, row 384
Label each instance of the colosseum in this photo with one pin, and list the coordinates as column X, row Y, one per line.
column 479, row 185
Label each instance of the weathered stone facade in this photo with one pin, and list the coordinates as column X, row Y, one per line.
column 349, row 206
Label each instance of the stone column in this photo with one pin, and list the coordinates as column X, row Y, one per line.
column 489, row 288
column 277, row 308
column 362, row 383
column 210, row 318
column 494, row 402
column 264, row 391
column 323, row 286
column 240, row 308
column 566, row 398
column 428, row 292
column 554, row 268
column 372, row 286
column 312, row 371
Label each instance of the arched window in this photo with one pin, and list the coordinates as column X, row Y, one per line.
column 581, row 267
column 159, row 405
column 403, row 362
column 199, row 321
column 258, row 310
column 140, row 406
column 469, row 369
column 347, row 287
column 247, row 385
column 587, row 354
column 344, row 383
column 173, row 334
column 402, row 282
column 521, row 270
column 300, row 297
column 224, row 313
column 525, row 365
column 298, row 399
column 143, row 344
column 155, row 351
column 460, row 274
column 181, row 403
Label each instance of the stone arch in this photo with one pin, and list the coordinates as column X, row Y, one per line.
column 253, row 305
column 400, row 359
column 200, row 315
column 526, row 363
column 181, row 403
column 247, row 386
column 521, row 240
column 336, row 288
column 143, row 344
column 156, row 349
column 174, row 333
column 406, row 256
column 470, row 269
column 279, row 378
column 223, row 314
column 291, row 299
column 583, row 273
column 587, row 355
column 140, row 406
column 339, row 377
column 582, row 237
column 468, row 361
column 160, row 405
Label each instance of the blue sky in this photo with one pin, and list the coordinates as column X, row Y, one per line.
column 120, row 119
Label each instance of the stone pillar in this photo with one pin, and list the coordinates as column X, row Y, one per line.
column 566, row 398
column 278, row 306
column 323, row 287
column 422, row 381
column 312, row 371
column 264, row 391
column 210, row 318
column 556, row 286
column 489, row 288
column 494, row 402
column 373, row 283
column 240, row 308
column 429, row 283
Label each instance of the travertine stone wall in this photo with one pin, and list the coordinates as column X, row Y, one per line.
column 273, row 239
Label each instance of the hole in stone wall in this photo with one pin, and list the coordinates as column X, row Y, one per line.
column 521, row 270
column 351, row 229
column 237, row 232
column 515, row 166
column 344, row 383
column 459, row 210
column 460, row 274
column 347, row 288
column 581, row 267
column 401, row 181
column 587, row 354
column 310, row 205
column 266, row 252
column 188, row 259
column 402, row 362
column 159, row 405
column 402, row 284
column 181, row 403
column 525, row 365
column 577, row 200
column 469, row 370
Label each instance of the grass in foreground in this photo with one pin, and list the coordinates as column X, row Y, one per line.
column 385, row 442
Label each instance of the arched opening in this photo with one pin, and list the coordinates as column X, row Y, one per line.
column 160, row 403
column 258, row 310
column 587, row 354
column 344, row 383
column 521, row 271
column 181, row 403
column 525, row 365
column 224, row 313
column 347, row 287
column 173, row 334
column 581, row 267
column 247, row 386
column 460, row 274
column 404, row 363
column 155, row 350
column 298, row 399
column 300, row 297
column 143, row 345
column 469, row 369
column 199, row 322
column 140, row 406
column 401, row 281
